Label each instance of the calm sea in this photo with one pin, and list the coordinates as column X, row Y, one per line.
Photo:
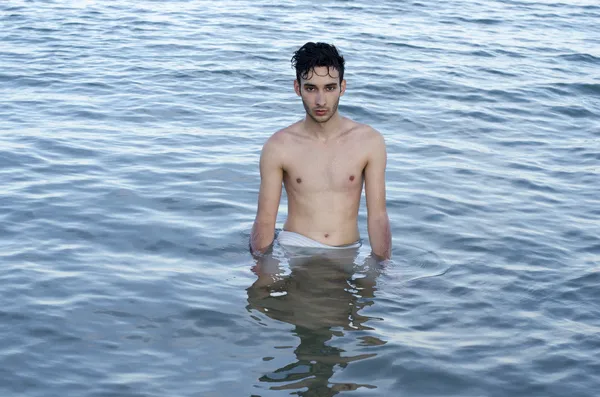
column 130, row 134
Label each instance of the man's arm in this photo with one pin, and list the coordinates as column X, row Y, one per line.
column 380, row 235
column 271, row 177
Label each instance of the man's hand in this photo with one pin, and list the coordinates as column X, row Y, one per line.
column 261, row 238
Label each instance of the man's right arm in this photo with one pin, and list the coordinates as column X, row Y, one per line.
column 271, row 178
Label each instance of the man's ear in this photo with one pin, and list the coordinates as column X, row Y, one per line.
column 297, row 87
column 342, row 87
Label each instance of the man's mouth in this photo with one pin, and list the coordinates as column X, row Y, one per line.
column 321, row 112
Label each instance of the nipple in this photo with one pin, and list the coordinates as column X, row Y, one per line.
column 299, row 180
column 351, row 178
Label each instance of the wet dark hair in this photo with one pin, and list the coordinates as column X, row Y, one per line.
column 312, row 55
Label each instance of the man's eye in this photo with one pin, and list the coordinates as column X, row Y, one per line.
column 309, row 88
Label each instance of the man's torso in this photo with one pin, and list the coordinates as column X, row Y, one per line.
column 324, row 181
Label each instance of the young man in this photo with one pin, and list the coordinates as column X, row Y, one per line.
column 322, row 161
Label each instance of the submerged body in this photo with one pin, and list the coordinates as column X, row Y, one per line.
column 323, row 161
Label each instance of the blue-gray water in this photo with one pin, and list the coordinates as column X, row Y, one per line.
column 130, row 134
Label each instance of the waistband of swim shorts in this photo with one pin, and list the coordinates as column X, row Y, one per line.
column 294, row 239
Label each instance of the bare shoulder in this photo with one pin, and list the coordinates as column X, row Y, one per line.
column 281, row 138
column 275, row 145
column 367, row 135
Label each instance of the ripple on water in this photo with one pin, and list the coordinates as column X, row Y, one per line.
column 129, row 166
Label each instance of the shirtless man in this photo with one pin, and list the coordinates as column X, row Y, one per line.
column 323, row 161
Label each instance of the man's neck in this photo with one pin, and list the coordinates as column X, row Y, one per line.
column 323, row 131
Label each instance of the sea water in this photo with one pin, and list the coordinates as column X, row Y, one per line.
column 130, row 134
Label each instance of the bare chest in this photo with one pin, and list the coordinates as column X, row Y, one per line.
column 338, row 169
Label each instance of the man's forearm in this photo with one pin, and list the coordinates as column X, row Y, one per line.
column 261, row 237
column 380, row 236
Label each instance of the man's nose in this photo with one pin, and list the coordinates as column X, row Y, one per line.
column 320, row 99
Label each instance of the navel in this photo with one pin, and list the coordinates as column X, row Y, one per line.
column 326, row 235
column 351, row 178
column 299, row 180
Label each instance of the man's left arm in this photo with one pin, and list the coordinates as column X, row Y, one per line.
column 380, row 235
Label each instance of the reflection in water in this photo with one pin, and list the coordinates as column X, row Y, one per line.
column 322, row 297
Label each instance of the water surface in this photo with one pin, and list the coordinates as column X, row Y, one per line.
column 129, row 146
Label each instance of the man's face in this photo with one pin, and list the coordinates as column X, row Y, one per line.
column 321, row 91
